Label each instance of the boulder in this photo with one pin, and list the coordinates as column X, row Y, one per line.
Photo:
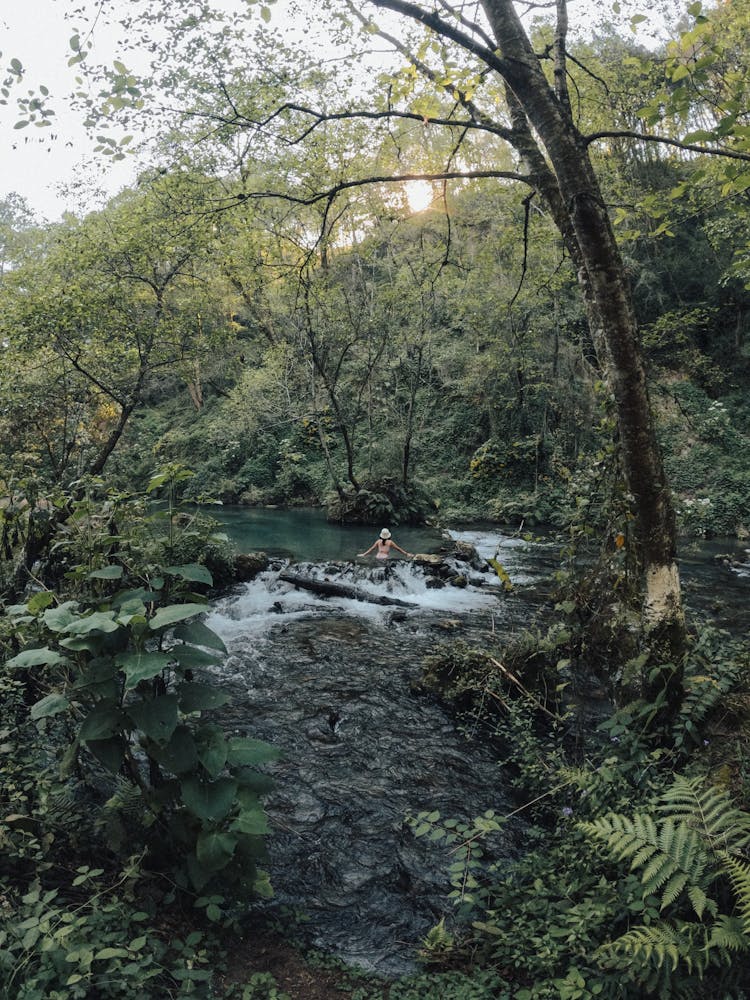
column 247, row 565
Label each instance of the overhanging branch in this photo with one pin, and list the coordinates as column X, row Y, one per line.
column 331, row 192
column 731, row 154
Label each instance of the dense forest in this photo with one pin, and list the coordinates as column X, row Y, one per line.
column 500, row 275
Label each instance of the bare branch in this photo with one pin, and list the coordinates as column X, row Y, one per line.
column 430, row 19
column 479, row 119
column 476, row 29
column 331, row 192
column 689, row 147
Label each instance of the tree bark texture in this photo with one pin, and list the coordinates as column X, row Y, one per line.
column 583, row 220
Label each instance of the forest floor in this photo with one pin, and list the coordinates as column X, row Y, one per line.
column 296, row 977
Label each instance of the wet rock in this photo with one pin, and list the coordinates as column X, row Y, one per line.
column 247, row 565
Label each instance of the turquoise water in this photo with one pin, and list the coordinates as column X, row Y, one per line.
column 304, row 534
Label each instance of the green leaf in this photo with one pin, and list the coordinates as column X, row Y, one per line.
column 195, row 697
column 53, row 704
column 110, row 753
column 40, row 601
column 58, row 619
column 103, row 721
column 106, row 573
column 157, row 717
column 244, row 751
column 191, row 656
column 193, row 571
column 200, row 635
column 214, row 850
column 212, row 749
column 42, row 657
column 176, row 613
column 199, row 875
column 252, row 823
column 99, row 621
column 111, row 953
column 209, row 800
column 141, row 666
column 179, row 756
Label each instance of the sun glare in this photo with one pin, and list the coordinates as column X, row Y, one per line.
column 419, row 194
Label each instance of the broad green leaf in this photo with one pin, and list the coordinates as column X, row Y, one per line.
column 110, row 753
column 53, row 704
column 209, row 800
column 106, row 573
column 127, row 599
column 42, row 657
column 200, row 635
column 157, row 718
column 99, row 621
column 176, row 613
column 195, row 697
column 103, row 721
column 141, row 666
column 179, row 756
column 58, row 619
column 191, row 656
column 194, row 572
column 244, row 751
column 106, row 953
column 212, row 749
column 214, row 850
column 199, row 875
column 253, row 823
column 92, row 643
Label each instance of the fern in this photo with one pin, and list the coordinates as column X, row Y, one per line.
column 673, row 857
column 738, row 873
column 692, row 840
column 709, row 810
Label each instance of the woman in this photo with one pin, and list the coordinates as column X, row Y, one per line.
column 384, row 544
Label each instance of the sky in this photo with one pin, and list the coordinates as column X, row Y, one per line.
column 61, row 173
column 34, row 164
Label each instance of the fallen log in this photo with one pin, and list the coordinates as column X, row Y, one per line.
column 331, row 588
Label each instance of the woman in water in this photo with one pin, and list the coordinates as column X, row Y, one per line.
column 384, row 544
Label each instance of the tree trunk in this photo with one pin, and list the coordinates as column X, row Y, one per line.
column 582, row 218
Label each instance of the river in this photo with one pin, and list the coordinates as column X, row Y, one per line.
column 331, row 682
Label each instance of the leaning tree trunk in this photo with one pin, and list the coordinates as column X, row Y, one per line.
column 581, row 215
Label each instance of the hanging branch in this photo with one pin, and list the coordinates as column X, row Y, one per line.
column 526, row 213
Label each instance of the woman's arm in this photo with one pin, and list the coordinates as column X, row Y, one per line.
column 374, row 545
column 398, row 547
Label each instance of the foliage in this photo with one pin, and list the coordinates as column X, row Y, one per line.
column 88, row 938
column 696, row 836
column 112, row 676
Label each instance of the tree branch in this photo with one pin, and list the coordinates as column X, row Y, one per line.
column 435, row 23
column 689, row 147
column 331, row 192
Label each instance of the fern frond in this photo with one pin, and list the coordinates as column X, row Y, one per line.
column 673, row 857
column 728, row 934
column 623, row 836
column 673, row 888
column 739, row 876
column 700, row 901
column 657, row 946
column 709, row 810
